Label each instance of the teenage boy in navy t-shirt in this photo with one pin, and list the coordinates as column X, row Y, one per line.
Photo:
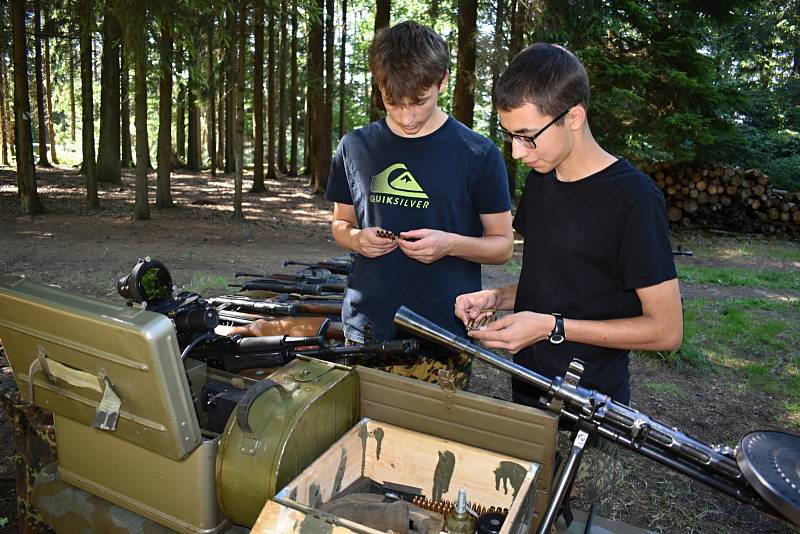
column 428, row 179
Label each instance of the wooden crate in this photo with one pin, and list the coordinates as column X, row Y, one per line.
column 388, row 453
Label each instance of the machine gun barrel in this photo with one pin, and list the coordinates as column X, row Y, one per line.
column 614, row 421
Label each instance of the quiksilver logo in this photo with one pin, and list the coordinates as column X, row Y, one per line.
column 396, row 186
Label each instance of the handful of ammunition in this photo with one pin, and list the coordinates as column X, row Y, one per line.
column 486, row 316
column 386, row 234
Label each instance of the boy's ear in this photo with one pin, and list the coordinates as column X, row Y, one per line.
column 576, row 118
column 443, row 83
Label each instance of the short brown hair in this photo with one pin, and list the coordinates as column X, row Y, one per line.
column 548, row 76
column 407, row 59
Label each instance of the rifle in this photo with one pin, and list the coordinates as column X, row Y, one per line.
column 334, row 266
column 307, row 276
column 262, row 307
column 762, row 471
column 285, row 286
column 236, row 354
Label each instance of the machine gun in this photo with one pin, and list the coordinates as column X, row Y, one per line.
column 763, row 471
column 233, row 354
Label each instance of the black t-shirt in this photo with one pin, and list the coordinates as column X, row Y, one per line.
column 442, row 181
column 588, row 246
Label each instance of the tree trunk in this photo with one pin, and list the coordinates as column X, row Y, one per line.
column 238, row 99
column 221, row 133
column 258, row 98
column 282, row 91
column 26, row 172
column 293, row 96
column 342, row 67
column 48, row 93
column 315, row 91
column 271, row 95
column 72, row 119
column 164, row 156
column 39, row 74
column 514, row 46
column 497, row 46
column 180, row 108
column 125, row 111
column 211, row 119
column 193, row 134
column 4, row 125
column 383, row 11
column 464, row 98
column 324, row 161
column 141, row 207
column 109, row 163
column 230, row 82
column 5, row 79
column 433, row 12
column 87, row 105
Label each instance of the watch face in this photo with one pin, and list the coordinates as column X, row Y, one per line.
column 555, row 339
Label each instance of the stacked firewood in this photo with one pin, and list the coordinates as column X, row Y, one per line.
column 727, row 198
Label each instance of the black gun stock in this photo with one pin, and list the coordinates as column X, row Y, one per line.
column 714, row 466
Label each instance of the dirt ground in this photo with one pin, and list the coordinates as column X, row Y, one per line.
column 86, row 252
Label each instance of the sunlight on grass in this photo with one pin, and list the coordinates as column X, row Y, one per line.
column 748, row 337
column 734, row 252
column 793, row 413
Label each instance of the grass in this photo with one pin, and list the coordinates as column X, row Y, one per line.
column 785, row 280
column 208, row 285
column 738, row 247
column 755, row 341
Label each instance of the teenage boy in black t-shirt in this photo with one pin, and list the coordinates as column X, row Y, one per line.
column 428, row 179
column 598, row 277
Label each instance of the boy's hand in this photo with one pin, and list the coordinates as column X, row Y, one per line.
column 515, row 332
column 470, row 306
column 425, row 245
column 369, row 244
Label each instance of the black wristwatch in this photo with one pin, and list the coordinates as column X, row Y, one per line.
column 556, row 337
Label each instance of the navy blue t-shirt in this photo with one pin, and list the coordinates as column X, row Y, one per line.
column 441, row 181
column 588, row 246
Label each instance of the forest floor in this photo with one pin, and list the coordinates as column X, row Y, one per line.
column 738, row 370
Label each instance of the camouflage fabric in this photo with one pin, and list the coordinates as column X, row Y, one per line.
column 423, row 366
column 69, row 509
column 598, row 474
column 35, row 438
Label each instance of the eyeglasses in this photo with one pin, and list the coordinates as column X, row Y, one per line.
column 530, row 141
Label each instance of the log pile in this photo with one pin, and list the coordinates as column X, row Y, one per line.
column 702, row 195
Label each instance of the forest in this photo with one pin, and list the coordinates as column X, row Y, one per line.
column 265, row 88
